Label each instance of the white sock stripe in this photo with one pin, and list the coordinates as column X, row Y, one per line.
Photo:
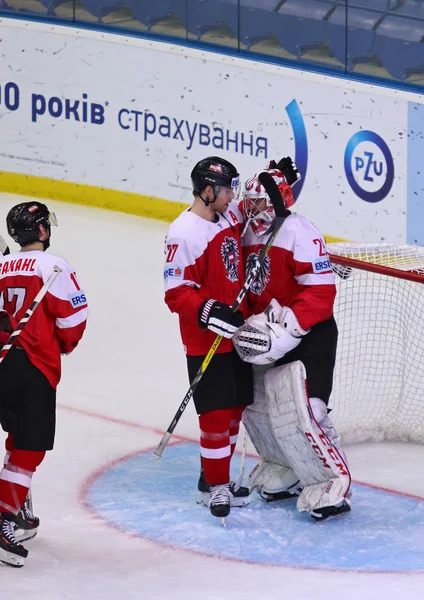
column 223, row 435
column 233, row 439
column 18, row 478
column 215, row 453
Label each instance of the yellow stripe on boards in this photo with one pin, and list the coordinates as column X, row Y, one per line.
column 89, row 195
column 99, row 197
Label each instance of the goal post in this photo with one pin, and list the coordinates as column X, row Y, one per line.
column 378, row 390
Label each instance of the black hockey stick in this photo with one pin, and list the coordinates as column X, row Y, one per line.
column 281, row 214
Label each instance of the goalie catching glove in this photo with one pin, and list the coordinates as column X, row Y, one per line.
column 219, row 318
column 267, row 337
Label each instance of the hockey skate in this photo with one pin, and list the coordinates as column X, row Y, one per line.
column 285, row 495
column 321, row 514
column 11, row 552
column 26, row 524
column 220, row 501
column 238, row 498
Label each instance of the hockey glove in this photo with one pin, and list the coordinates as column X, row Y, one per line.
column 219, row 318
column 289, row 170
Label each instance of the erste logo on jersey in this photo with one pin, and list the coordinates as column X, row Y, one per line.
column 173, row 271
column 78, row 299
column 321, row 265
column 262, row 279
column 230, row 257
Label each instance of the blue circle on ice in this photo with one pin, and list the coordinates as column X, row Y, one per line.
column 157, row 500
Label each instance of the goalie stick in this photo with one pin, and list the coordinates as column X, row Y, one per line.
column 281, row 214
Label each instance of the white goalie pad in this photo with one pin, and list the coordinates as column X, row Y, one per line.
column 273, row 474
column 296, row 440
column 271, row 479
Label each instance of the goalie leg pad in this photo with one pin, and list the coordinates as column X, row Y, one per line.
column 274, row 481
column 309, row 452
column 273, row 475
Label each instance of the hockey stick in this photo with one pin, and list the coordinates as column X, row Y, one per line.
column 239, row 480
column 30, row 311
column 281, row 214
column 4, row 248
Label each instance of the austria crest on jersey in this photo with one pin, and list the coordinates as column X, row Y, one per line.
column 230, row 257
column 260, row 283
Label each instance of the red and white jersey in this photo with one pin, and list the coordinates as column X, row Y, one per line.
column 202, row 261
column 297, row 272
column 58, row 322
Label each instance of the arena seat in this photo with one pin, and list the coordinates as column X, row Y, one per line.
column 51, row 5
column 299, row 26
column 360, row 34
column 378, row 5
column 256, row 18
column 101, row 8
column 399, row 45
column 209, row 15
column 411, row 8
column 151, row 12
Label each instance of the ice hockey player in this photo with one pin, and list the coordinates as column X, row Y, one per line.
column 31, row 371
column 293, row 331
column 203, row 276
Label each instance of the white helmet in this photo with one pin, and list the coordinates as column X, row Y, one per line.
column 256, row 204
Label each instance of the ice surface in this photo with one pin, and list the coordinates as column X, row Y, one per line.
column 119, row 391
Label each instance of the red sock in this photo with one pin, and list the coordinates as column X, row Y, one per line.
column 215, row 447
column 15, row 478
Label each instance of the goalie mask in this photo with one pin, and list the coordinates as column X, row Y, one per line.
column 256, row 204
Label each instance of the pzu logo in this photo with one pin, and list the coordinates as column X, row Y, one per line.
column 372, row 167
column 369, row 166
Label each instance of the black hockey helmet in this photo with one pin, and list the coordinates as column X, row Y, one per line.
column 214, row 171
column 24, row 219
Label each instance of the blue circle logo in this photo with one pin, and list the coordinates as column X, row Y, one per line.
column 369, row 166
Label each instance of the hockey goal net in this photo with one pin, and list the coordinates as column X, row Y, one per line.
column 378, row 391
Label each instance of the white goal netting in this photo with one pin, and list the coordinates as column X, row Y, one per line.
column 378, row 391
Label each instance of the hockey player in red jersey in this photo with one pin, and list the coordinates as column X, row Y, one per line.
column 293, row 328
column 203, row 276
column 31, row 370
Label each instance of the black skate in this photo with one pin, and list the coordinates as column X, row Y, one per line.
column 11, row 552
column 320, row 514
column 238, row 498
column 220, row 500
column 26, row 524
column 292, row 492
